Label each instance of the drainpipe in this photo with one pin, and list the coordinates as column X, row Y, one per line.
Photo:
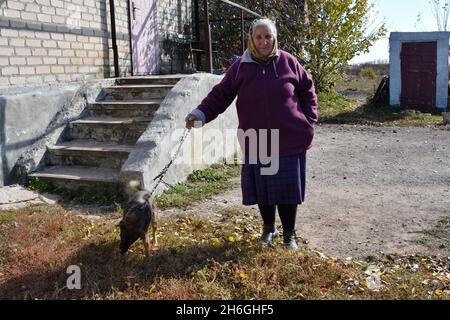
column 113, row 36
column 130, row 36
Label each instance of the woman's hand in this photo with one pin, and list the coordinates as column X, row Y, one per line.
column 190, row 119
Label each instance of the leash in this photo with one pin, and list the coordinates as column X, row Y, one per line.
column 160, row 176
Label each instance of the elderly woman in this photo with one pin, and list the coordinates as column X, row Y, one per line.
column 274, row 92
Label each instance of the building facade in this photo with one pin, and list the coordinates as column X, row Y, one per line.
column 48, row 41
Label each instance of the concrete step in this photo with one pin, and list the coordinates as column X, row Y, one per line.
column 89, row 153
column 71, row 177
column 162, row 79
column 109, row 129
column 125, row 108
column 136, row 92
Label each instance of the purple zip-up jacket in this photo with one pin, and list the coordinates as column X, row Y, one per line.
column 279, row 94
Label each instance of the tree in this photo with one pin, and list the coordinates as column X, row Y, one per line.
column 440, row 11
column 326, row 34
column 290, row 17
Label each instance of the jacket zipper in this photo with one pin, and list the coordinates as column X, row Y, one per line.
column 266, row 100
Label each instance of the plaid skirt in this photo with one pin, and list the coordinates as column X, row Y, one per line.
column 287, row 186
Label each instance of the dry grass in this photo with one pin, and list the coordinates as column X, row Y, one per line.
column 339, row 109
column 350, row 103
column 200, row 185
column 357, row 83
column 197, row 259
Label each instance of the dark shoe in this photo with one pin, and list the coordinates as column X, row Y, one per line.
column 289, row 240
column 268, row 234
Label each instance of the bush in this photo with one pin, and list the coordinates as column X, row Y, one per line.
column 368, row 72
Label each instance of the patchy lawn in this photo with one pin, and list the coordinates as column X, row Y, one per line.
column 350, row 103
column 200, row 184
column 341, row 109
column 205, row 258
column 198, row 258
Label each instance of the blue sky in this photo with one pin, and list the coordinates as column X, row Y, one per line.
column 399, row 15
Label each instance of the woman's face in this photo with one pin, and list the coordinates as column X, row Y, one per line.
column 263, row 40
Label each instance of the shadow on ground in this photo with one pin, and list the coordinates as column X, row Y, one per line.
column 104, row 271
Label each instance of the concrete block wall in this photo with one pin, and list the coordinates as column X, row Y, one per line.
column 215, row 142
column 44, row 41
column 33, row 117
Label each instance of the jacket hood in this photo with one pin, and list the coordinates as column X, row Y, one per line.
column 247, row 58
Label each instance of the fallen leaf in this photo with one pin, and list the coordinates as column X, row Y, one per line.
column 215, row 242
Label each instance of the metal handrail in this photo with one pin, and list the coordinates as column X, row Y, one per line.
column 231, row 3
column 208, row 41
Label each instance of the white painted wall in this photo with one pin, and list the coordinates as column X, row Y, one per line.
column 395, row 81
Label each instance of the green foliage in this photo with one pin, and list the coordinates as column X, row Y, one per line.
column 368, row 72
column 36, row 184
column 331, row 33
column 325, row 36
column 6, row 216
column 332, row 104
column 208, row 174
column 99, row 195
column 337, row 108
column 86, row 195
column 199, row 185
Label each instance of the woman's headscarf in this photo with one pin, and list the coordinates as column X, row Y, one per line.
column 251, row 45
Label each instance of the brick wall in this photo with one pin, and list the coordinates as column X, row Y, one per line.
column 44, row 41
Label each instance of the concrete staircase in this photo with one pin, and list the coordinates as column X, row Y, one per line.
column 97, row 146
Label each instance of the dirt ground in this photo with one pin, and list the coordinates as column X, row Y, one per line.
column 370, row 190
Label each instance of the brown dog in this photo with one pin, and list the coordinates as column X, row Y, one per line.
column 138, row 215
